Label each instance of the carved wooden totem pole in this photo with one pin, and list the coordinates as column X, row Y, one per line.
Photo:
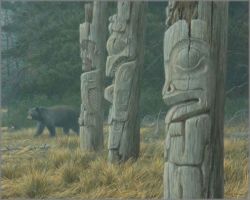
column 195, row 45
column 124, row 62
column 92, row 42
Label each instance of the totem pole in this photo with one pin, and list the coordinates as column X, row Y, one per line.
column 92, row 43
column 194, row 62
column 124, row 62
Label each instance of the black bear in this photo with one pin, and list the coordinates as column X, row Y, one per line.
column 55, row 116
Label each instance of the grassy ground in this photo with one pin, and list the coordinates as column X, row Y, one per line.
column 31, row 169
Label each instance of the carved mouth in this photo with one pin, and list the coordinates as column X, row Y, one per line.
column 184, row 102
column 182, row 97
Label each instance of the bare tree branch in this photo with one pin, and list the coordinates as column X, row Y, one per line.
column 156, row 131
column 236, row 87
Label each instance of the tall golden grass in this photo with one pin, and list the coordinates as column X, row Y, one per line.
column 64, row 171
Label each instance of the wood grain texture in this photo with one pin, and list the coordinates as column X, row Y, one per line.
column 124, row 63
column 195, row 44
column 93, row 34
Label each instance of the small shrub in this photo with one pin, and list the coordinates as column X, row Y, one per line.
column 36, row 184
column 11, row 171
column 83, row 159
column 59, row 156
column 69, row 172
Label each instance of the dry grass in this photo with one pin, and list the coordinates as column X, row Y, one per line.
column 236, row 168
column 236, row 128
column 63, row 171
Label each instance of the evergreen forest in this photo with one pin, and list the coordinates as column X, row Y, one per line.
column 41, row 64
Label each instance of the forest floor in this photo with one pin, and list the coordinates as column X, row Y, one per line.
column 56, row 168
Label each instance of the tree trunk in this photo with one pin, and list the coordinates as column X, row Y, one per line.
column 124, row 65
column 93, row 34
column 195, row 46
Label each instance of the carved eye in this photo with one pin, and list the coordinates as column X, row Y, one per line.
column 188, row 59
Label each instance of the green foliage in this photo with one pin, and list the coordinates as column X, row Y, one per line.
column 150, row 101
column 238, row 49
column 153, row 70
column 234, row 105
column 47, row 35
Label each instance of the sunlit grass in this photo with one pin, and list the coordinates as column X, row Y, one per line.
column 70, row 142
column 64, row 171
column 36, row 184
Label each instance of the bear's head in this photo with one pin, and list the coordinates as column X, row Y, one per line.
column 35, row 113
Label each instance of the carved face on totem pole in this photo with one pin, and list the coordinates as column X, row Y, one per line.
column 90, row 78
column 189, row 84
column 122, row 66
column 189, row 91
column 119, row 65
column 120, row 43
column 88, row 47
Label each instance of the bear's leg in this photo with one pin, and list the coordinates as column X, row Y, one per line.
column 65, row 130
column 39, row 129
column 52, row 131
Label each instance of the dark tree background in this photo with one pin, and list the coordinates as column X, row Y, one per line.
column 41, row 62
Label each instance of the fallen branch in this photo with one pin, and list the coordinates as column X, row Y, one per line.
column 27, row 148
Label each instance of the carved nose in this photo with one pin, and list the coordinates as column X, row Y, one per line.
column 169, row 88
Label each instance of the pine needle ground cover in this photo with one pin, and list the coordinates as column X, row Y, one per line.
column 56, row 168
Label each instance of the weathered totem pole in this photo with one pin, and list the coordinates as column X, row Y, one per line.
column 124, row 63
column 195, row 45
column 93, row 34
